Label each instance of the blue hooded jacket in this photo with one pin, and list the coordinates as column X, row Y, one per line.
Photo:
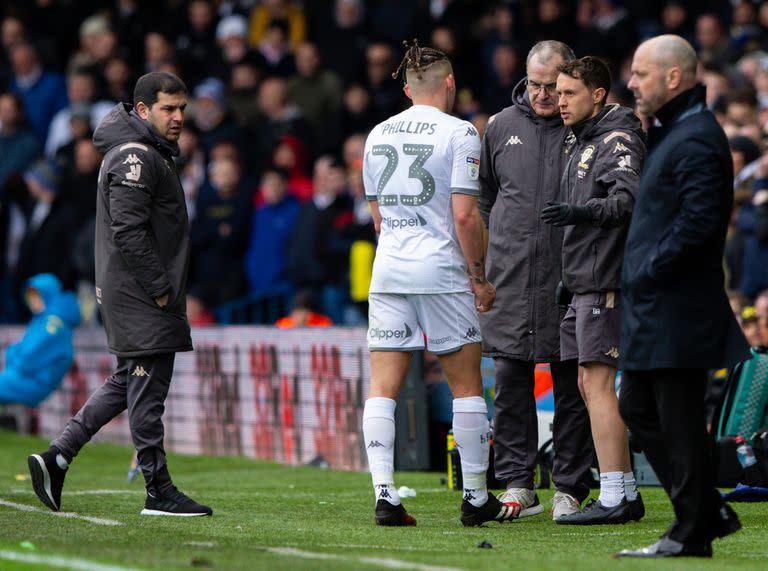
column 44, row 354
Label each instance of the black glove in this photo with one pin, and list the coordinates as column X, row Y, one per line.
column 562, row 214
column 563, row 296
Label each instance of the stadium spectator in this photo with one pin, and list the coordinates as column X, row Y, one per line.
column 158, row 51
column 232, row 39
column 242, row 93
column 140, row 210
column 752, row 222
column 285, row 12
column 97, row 43
column 279, row 117
column 19, row 145
column 317, row 92
column 523, row 260
column 304, row 313
column 81, row 179
column 51, row 225
column 672, row 268
column 219, row 234
column 291, row 157
column 339, row 31
column 506, row 74
column 82, row 92
column 713, row 43
column 43, row 92
column 273, row 222
column 357, row 113
column 196, row 46
column 211, row 115
column 599, row 187
column 275, row 50
column 37, row 363
column 385, row 92
column 118, row 77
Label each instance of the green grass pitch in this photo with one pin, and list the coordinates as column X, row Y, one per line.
column 273, row 517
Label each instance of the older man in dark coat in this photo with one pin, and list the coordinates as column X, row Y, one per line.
column 676, row 321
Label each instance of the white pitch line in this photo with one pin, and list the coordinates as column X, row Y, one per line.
column 70, row 515
column 387, row 562
column 28, row 492
column 60, row 561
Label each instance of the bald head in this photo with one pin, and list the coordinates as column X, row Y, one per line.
column 662, row 68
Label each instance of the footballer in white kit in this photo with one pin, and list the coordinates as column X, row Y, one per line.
column 421, row 175
column 413, row 163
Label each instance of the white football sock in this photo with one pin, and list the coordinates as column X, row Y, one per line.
column 630, row 486
column 472, row 436
column 611, row 488
column 379, row 435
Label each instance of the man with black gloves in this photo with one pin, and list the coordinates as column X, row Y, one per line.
column 605, row 153
column 142, row 255
column 520, row 167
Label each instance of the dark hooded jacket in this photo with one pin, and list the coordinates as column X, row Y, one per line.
column 142, row 238
column 675, row 313
column 520, row 167
column 605, row 157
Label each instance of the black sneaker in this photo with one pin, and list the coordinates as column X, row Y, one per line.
column 492, row 510
column 173, row 503
column 636, row 508
column 594, row 513
column 728, row 522
column 387, row 514
column 47, row 477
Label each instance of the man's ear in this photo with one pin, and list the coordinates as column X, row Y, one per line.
column 142, row 110
column 598, row 95
column 450, row 82
column 407, row 91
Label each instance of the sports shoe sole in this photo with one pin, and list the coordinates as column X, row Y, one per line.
column 145, row 511
column 41, row 481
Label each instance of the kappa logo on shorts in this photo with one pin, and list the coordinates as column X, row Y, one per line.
column 613, row 353
column 139, row 371
column 378, row 334
column 471, row 332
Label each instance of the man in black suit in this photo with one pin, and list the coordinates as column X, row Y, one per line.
column 676, row 321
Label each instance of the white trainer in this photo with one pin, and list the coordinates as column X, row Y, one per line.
column 563, row 504
column 522, row 499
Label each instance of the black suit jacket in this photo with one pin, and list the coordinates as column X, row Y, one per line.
column 675, row 312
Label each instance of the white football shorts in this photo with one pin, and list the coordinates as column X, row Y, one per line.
column 400, row 322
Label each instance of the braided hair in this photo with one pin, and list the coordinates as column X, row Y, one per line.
column 418, row 59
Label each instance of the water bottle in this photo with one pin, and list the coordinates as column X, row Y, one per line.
column 750, row 474
column 745, row 453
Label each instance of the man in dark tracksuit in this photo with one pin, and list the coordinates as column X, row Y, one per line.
column 676, row 322
column 520, row 168
column 601, row 178
column 142, row 256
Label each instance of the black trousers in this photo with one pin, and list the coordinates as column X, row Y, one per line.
column 139, row 384
column 516, row 430
column 664, row 410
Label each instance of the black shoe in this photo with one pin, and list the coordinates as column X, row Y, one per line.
column 667, row 547
column 727, row 523
column 387, row 514
column 492, row 510
column 47, row 477
column 636, row 508
column 594, row 513
column 173, row 503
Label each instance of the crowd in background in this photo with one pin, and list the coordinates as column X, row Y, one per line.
column 282, row 95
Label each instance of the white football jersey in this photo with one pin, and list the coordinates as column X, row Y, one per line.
column 413, row 162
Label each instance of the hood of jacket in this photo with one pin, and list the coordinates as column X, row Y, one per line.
column 123, row 125
column 613, row 117
column 58, row 302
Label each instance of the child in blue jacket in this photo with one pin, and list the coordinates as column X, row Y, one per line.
column 36, row 365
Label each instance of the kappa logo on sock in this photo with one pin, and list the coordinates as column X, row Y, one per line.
column 375, row 444
column 468, row 495
column 384, row 493
column 139, row 371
